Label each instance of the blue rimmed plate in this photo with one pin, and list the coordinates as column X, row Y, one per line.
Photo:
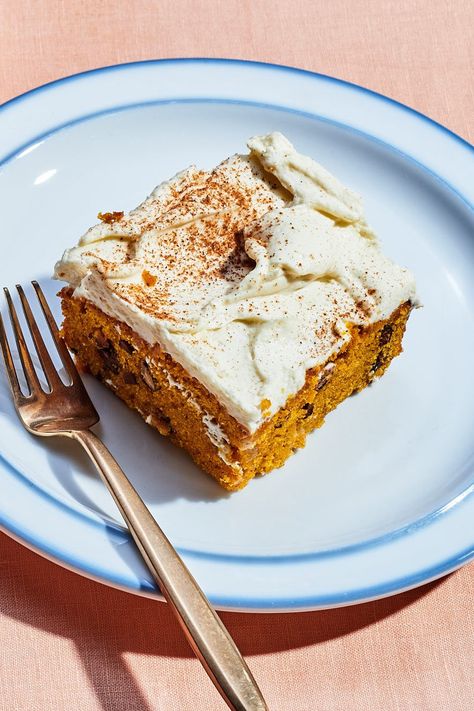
column 381, row 499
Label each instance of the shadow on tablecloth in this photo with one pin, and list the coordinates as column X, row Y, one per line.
column 105, row 623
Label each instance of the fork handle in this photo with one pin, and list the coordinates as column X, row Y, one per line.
column 204, row 630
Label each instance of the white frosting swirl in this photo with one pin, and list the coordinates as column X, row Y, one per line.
column 248, row 330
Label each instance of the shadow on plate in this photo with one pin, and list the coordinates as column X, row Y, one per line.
column 160, row 471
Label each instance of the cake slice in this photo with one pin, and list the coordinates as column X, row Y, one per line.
column 235, row 308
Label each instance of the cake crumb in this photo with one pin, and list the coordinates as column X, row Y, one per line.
column 110, row 217
column 149, row 279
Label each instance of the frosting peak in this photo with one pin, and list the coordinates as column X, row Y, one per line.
column 306, row 180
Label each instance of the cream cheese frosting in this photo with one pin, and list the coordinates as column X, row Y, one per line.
column 248, row 275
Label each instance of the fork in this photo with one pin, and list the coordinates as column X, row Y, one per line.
column 66, row 410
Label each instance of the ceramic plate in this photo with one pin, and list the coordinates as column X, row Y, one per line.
column 381, row 499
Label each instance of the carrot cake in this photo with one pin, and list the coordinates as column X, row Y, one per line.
column 233, row 309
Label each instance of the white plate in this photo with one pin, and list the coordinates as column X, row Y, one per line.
column 381, row 499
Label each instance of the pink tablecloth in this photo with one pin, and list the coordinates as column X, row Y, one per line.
column 68, row 643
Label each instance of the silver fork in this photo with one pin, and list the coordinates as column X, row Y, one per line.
column 67, row 411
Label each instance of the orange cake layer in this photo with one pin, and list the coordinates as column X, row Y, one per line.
column 180, row 407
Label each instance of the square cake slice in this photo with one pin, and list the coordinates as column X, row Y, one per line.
column 235, row 308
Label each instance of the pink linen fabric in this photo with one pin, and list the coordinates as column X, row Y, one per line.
column 67, row 642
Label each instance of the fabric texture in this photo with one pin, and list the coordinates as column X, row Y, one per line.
column 67, row 642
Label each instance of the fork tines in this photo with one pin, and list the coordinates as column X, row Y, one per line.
column 49, row 369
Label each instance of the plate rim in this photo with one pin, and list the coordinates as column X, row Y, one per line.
column 449, row 564
column 224, row 60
